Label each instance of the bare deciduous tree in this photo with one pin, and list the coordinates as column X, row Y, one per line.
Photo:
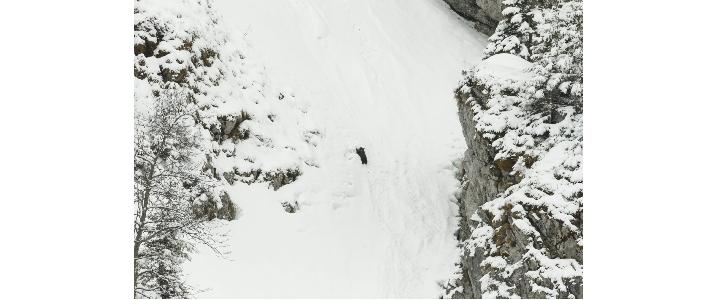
column 168, row 181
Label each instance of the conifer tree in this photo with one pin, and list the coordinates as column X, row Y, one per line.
column 514, row 33
column 558, row 59
column 548, row 33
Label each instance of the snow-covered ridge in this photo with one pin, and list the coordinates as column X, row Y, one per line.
column 254, row 130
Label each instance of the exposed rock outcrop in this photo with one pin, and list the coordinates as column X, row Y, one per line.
column 529, row 245
column 210, row 209
column 290, row 207
column 482, row 179
column 485, row 14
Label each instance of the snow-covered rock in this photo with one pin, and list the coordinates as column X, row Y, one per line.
column 485, row 13
column 522, row 189
column 254, row 131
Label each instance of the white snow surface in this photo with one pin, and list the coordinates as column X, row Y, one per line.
column 505, row 66
column 378, row 75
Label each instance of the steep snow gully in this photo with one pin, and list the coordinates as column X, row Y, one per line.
column 378, row 75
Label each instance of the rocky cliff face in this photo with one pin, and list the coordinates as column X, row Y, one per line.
column 485, row 14
column 482, row 179
column 521, row 220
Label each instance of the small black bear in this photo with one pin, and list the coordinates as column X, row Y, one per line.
column 362, row 155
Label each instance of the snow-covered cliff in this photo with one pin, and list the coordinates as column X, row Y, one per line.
column 522, row 176
column 522, row 214
column 254, row 131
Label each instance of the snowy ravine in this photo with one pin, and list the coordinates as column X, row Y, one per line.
column 378, row 75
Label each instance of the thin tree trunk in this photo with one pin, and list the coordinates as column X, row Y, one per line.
column 143, row 214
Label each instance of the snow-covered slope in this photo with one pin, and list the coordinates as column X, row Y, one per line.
column 378, row 75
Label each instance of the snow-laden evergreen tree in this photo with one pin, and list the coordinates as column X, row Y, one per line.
column 558, row 55
column 168, row 182
column 550, row 34
column 514, row 33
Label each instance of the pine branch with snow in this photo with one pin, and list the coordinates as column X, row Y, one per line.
column 514, row 33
